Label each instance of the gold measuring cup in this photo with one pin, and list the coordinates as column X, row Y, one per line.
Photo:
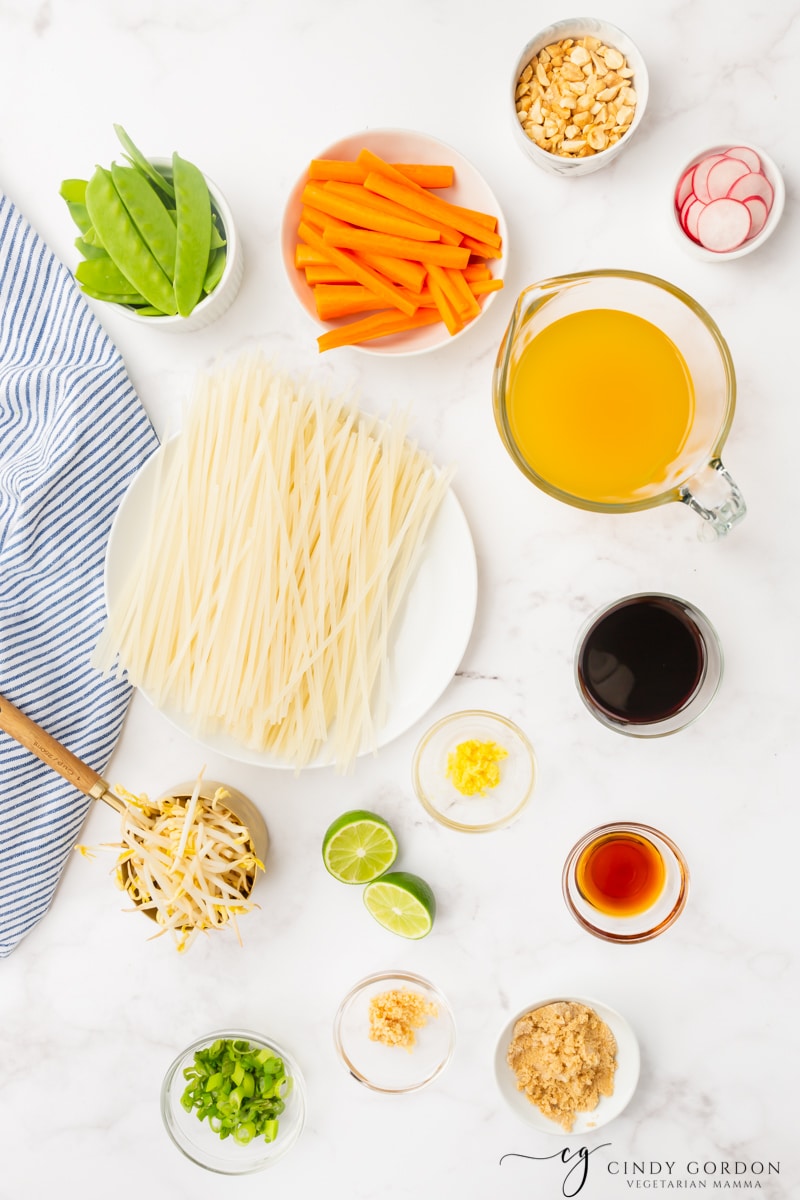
column 31, row 735
column 696, row 475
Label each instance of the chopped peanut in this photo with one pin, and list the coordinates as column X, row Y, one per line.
column 575, row 98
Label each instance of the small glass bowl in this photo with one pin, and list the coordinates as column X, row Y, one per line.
column 393, row 1069
column 609, row 35
column 695, row 703
column 497, row 806
column 771, row 172
column 662, row 913
column 626, row 1075
column 199, row 1143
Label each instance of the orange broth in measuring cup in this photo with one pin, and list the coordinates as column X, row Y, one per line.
column 601, row 404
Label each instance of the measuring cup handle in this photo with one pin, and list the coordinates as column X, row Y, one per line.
column 44, row 746
column 715, row 496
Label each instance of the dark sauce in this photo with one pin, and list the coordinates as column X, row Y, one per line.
column 642, row 661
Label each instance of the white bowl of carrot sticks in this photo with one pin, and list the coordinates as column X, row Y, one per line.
column 393, row 242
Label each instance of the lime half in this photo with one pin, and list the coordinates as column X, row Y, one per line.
column 358, row 847
column 402, row 903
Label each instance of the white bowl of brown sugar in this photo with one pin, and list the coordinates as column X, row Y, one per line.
column 567, row 1065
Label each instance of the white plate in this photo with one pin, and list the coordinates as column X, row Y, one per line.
column 469, row 190
column 427, row 639
column 625, row 1078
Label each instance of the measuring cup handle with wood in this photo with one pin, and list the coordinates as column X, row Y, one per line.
column 58, row 757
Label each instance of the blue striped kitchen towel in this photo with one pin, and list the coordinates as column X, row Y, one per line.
column 72, row 434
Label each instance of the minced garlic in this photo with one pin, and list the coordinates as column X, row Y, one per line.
column 474, row 767
column 394, row 1016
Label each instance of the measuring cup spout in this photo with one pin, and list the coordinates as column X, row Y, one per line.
column 715, row 496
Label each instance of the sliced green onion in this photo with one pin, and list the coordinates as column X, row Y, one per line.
column 239, row 1090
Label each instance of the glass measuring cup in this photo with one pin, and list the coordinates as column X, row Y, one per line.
column 647, row 321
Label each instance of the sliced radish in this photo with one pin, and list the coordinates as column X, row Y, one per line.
column 723, row 225
column 701, row 173
column 747, row 156
column 684, row 188
column 750, row 185
column 692, row 217
column 690, row 199
column 758, row 215
column 723, row 176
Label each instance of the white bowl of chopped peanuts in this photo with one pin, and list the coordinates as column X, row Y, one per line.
column 578, row 94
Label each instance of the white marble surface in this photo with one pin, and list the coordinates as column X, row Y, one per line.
column 91, row 1013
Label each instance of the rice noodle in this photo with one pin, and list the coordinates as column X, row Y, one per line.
column 288, row 526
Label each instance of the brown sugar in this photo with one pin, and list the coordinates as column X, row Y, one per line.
column 395, row 1016
column 564, row 1058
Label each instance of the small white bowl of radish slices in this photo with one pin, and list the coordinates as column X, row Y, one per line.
column 727, row 201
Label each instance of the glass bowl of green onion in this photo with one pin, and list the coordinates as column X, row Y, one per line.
column 234, row 1102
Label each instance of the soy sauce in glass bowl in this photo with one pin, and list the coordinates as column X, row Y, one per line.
column 648, row 665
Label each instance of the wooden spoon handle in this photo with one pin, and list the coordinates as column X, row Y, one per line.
column 34, row 738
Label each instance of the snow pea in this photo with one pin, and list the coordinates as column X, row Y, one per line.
column 193, row 206
column 137, row 159
column 102, row 275
column 217, row 232
column 73, row 191
column 90, row 236
column 115, row 297
column 80, row 215
column 125, row 244
column 216, row 266
column 149, row 215
column 88, row 249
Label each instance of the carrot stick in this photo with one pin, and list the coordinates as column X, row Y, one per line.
column 306, row 256
column 431, row 206
column 480, row 286
column 336, row 300
column 356, row 191
column 384, row 243
column 336, row 168
column 361, row 272
column 377, row 326
column 482, row 249
column 325, row 272
column 341, row 300
column 467, row 306
column 374, row 163
column 320, row 269
column 446, row 311
column 481, row 218
column 426, row 175
column 321, row 220
column 408, row 274
column 476, row 271
column 444, row 283
column 365, row 217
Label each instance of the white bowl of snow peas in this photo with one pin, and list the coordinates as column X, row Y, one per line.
column 157, row 238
